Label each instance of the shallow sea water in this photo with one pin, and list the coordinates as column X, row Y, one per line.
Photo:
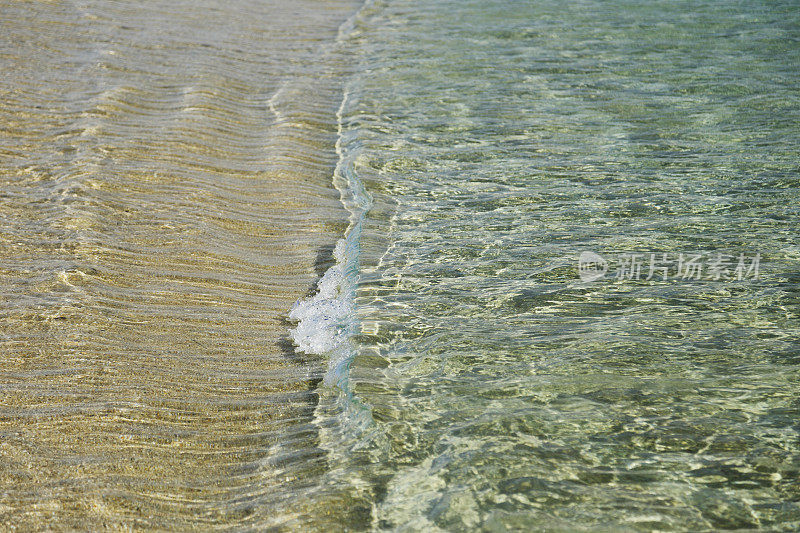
column 165, row 196
column 165, row 174
column 486, row 386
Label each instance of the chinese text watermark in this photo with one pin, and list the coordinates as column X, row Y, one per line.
column 661, row 266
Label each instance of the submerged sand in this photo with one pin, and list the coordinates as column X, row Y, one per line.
column 166, row 196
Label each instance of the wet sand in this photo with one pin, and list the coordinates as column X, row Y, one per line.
column 165, row 196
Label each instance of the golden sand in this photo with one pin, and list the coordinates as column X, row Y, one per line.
column 165, row 192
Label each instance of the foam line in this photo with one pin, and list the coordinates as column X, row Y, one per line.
column 327, row 320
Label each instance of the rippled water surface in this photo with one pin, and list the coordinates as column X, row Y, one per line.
column 172, row 179
column 164, row 197
column 491, row 389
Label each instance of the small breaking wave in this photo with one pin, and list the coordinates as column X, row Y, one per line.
column 327, row 320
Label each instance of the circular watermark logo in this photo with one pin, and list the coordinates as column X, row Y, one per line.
column 591, row 266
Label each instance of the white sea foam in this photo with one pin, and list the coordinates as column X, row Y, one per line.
column 327, row 320
column 324, row 318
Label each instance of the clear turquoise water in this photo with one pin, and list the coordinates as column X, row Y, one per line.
column 487, row 387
